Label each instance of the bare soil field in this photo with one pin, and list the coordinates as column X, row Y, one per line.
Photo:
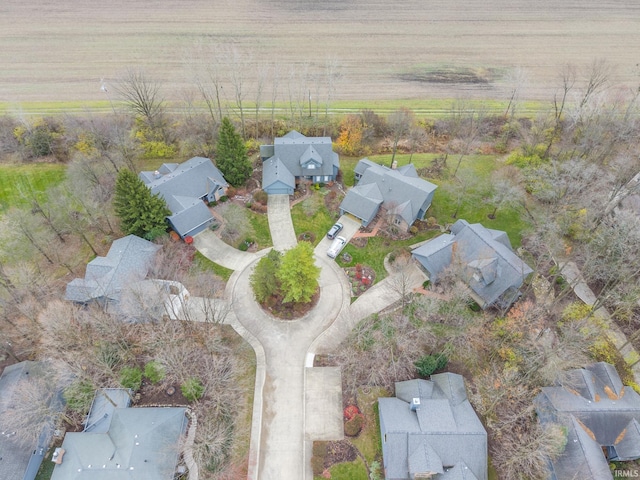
column 53, row 50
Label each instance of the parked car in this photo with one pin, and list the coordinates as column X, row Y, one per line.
column 334, row 231
column 336, row 247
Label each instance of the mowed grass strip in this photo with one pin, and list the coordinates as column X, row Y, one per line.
column 37, row 177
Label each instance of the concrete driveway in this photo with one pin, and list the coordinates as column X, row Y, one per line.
column 212, row 247
column 279, row 213
column 349, row 228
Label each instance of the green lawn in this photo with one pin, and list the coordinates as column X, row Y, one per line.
column 46, row 469
column 36, row 176
column 311, row 215
column 377, row 248
column 203, row 263
column 261, row 233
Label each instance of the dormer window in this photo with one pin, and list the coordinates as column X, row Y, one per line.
column 311, row 166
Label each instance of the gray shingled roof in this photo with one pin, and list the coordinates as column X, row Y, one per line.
column 128, row 260
column 488, row 265
column 183, row 186
column 274, row 171
column 140, row 444
column 18, row 461
column 443, row 436
column 363, row 201
column 598, row 411
column 103, row 406
column 402, row 192
column 294, row 152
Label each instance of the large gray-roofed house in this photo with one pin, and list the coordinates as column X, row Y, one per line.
column 185, row 187
column 600, row 414
column 137, row 444
column 19, row 461
column 484, row 259
column 405, row 196
column 127, row 261
column 431, row 428
column 295, row 157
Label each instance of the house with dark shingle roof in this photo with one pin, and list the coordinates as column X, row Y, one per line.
column 482, row 257
column 122, row 443
column 430, row 430
column 127, row 262
column 401, row 192
column 294, row 158
column 186, row 187
column 19, row 461
column 601, row 416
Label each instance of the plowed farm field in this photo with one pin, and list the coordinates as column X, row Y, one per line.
column 53, row 50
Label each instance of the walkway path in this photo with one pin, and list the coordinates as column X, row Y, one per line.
column 294, row 403
column 573, row 275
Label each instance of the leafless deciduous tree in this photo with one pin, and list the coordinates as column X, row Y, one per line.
column 142, row 96
column 34, row 405
column 400, row 123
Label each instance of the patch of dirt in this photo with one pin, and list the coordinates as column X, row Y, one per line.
column 163, row 393
column 307, row 237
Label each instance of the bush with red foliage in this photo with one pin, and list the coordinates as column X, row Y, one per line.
column 351, row 411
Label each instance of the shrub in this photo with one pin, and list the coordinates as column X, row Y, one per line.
column 430, row 363
column 243, row 247
column 351, row 411
column 261, row 197
column 320, row 448
column 79, row 395
column 353, row 427
column 317, row 465
column 413, row 230
column 223, row 199
column 154, row 371
column 192, row 389
column 131, row 377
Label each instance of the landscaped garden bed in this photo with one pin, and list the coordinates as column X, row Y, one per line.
column 361, row 277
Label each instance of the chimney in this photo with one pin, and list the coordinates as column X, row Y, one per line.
column 415, row 404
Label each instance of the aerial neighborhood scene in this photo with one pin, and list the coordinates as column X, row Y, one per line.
column 295, row 240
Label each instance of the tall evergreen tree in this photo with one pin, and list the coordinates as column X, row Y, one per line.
column 263, row 278
column 231, row 155
column 298, row 274
column 141, row 213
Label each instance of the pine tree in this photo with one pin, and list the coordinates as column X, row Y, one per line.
column 141, row 213
column 231, row 155
column 298, row 274
column 263, row 278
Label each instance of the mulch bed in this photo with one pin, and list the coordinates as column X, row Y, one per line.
column 339, row 452
column 289, row 311
column 150, row 394
column 358, row 287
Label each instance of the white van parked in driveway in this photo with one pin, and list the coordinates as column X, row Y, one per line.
column 336, row 247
